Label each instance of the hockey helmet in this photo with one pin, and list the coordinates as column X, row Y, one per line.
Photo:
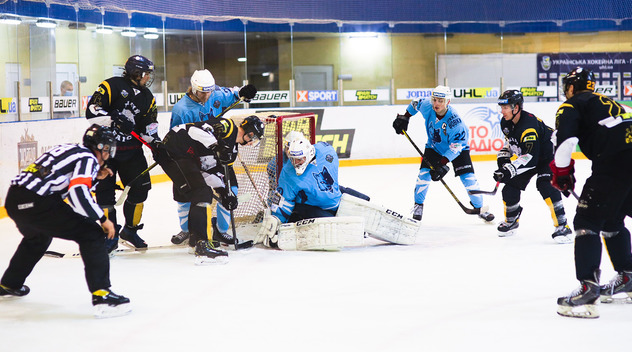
column 301, row 152
column 137, row 67
column 580, row 78
column 442, row 92
column 202, row 81
column 100, row 138
column 253, row 127
column 511, row 97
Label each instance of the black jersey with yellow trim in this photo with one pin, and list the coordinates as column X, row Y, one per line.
column 530, row 136
column 119, row 95
column 601, row 124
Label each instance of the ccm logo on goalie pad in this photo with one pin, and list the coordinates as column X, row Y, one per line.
column 395, row 214
column 305, row 222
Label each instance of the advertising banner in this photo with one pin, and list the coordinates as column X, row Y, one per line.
column 609, row 68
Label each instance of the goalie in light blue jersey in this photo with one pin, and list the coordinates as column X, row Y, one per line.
column 448, row 138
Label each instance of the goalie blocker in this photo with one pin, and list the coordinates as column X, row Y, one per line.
column 379, row 222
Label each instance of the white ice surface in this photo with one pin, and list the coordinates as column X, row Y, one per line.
column 460, row 288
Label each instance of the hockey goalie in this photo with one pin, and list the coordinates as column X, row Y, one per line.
column 310, row 211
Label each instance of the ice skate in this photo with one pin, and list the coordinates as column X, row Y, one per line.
column 581, row 303
column 221, row 237
column 108, row 304
column 6, row 292
column 206, row 253
column 180, row 237
column 563, row 234
column 510, row 225
column 619, row 289
column 487, row 216
column 131, row 239
column 418, row 211
column 506, row 229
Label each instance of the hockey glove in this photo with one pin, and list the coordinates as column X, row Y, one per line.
column 438, row 172
column 505, row 172
column 247, row 92
column 122, row 123
column 401, row 123
column 268, row 231
column 503, row 157
column 229, row 202
column 563, row 177
column 159, row 151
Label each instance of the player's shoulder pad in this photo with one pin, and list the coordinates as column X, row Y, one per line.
column 529, row 135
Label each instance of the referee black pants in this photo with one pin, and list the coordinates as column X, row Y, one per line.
column 39, row 219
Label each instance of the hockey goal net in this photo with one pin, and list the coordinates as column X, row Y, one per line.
column 258, row 166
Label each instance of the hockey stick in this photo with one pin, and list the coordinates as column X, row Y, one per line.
column 232, row 215
column 123, row 196
column 491, row 193
column 423, row 159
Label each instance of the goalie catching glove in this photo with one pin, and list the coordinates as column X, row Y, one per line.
column 268, row 232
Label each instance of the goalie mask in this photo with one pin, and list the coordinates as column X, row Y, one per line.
column 202, row 81
column 301, row 152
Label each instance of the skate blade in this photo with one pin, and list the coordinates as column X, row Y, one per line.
column 619, row 298
column 588, row 311
column 105, row 311
column 563, row 239
column 131, row 246
column 202, row 260
column 508, row 233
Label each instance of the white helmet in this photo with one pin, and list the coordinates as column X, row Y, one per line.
column 202, row 81
column 301, row 152
column 442, row 92
column 292, row 136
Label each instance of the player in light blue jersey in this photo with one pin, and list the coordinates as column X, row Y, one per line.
column 448, row 139
column 204, row 100
column 308, row 185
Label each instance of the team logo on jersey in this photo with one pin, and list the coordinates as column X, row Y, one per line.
column 436, row 136
column 444, row 128
column 217, row 104
column 324, row 180
column 329, row 158
column 136, row 91
column 124, row 93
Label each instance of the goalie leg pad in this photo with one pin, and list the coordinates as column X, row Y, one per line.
column 380, row 222
column 322, row 234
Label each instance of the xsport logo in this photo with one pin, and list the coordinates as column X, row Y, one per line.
column 485, row 133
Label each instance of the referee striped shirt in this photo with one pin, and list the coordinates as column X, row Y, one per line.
column 68, row 170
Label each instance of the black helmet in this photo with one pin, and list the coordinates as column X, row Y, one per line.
column 100, row 138
column 137, row 66
column 580, row 78
column 511, row 97
column 253, row 124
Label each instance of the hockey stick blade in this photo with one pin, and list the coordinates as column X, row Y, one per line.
column 491, row 193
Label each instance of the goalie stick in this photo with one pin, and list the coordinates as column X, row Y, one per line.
column 467, row 210
column 491, row 193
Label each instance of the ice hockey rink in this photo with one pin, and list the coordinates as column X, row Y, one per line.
column 460, row 288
